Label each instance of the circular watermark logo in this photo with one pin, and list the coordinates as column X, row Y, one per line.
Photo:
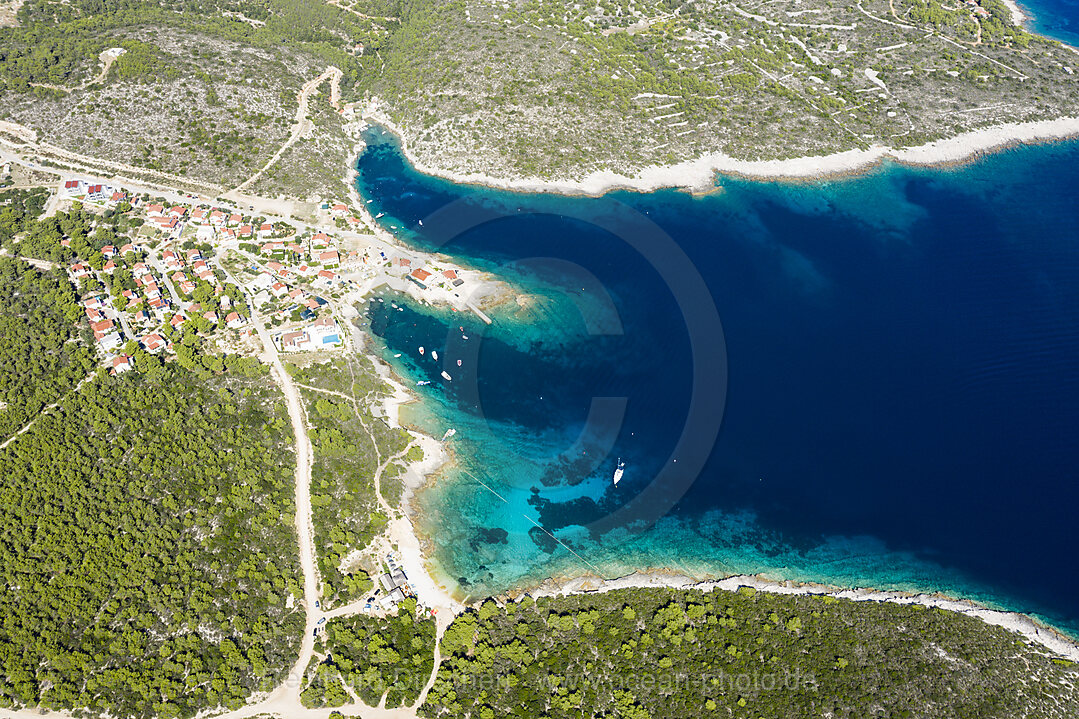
column 651, row 497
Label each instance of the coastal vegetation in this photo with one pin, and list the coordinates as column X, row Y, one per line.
column 688, row 653
column 208, row 90
column 348, row 443
column 41, row 358
column 557, row 89
column 148, row 554
column 373, row 657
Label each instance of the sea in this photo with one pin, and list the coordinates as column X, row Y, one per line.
column 861, row 382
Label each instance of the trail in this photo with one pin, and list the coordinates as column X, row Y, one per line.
column 45, row 410
column 107, row 58
column 302, row 125
column 290, row 690
column 28, row 143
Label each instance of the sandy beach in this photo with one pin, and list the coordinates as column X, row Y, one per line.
column 699, row 175
column 401, row 532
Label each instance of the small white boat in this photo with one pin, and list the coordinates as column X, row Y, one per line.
column 434, row 355
column 397, row 355
column 423, row 382
column 421, row 350
column 370, row 201
column 446, row 376
column 449, row 433
column 464, row 337
column 421, row 223
column 458, row 363
column 379, row 215
column 619, row 470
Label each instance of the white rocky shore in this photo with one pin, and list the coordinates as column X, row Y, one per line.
column 699, row 175
column 1016, row 622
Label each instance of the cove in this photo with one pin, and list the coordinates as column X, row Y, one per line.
column 886, row 396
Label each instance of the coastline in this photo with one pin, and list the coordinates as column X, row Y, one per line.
column 1020, row 16
column 699, row 175
column 400, row 529
column 1027, row 626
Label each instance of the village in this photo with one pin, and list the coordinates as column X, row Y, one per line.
column 207, row 269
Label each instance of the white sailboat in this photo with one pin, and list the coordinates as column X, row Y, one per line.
column 434, row 355
column 446, row 375
column 421, row 350
column 619, row 470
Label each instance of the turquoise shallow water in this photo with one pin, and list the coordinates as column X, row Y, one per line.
column 871, row 382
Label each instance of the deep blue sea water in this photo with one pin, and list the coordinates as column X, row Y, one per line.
column 866, row 382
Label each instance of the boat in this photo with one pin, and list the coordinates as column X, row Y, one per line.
column 464, row 337
column 379, row 215
column 370, row 201
column 397, row 355
column 446, row 376
column 619, row 470
column 421, row 223
column 449, row 433
column 423, row 383
column 458, row 363
column 434, row 355
column 421, row 350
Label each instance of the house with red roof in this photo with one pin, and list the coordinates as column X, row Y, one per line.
column 78, row 271
column 153, row 342
column 246, row 231
column 420, row 275
column 329, row 258
column 177, row 320
column 155, row 210
column 449, row 274
column 178, row 211
column 109, row 267
column 198, row 216
column 234, row 320
column 235, row 219
column 122, row 363
column 102, row 328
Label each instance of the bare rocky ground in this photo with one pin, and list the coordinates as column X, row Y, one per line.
column 560, row 89
column 217, row 115
column 8, row 9
column 313, row 168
